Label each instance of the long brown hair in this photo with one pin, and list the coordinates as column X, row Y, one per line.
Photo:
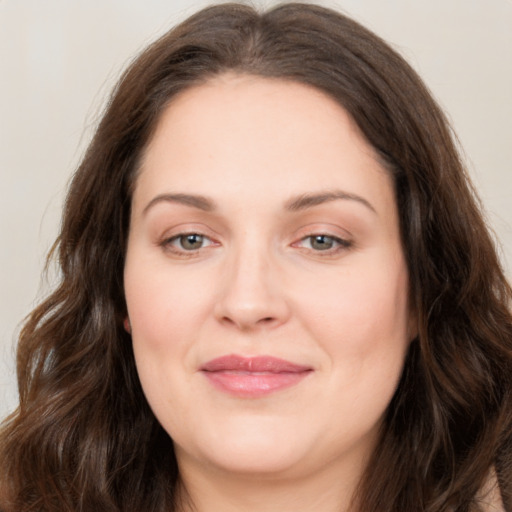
column 84, row 438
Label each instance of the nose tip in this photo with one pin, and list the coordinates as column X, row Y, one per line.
column 252, row 298
column 247, row 318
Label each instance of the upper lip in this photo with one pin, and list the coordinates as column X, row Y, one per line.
column 259, row 364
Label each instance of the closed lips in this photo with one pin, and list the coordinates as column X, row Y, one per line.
column 258, row 364
column 253, row 377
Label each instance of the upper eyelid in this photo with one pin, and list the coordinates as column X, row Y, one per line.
column 192, row 228
column 325, row 229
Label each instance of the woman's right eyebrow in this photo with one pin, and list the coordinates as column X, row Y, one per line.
column 196, row 201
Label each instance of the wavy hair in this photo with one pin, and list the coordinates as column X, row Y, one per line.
column 84, row 438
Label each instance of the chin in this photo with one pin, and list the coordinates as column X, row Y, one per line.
column 251, row 460
column 258, row 447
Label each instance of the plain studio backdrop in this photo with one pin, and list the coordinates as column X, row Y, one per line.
column 59, row 59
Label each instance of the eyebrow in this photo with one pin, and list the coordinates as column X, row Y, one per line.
column 305, row 201
column 294, row 204
column 196, row 201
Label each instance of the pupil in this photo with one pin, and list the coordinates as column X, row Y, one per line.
column 322, row 242
column 192, row 241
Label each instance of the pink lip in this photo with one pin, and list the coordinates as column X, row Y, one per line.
column 253, row 377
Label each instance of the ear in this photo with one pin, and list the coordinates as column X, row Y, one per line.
column 127, row 326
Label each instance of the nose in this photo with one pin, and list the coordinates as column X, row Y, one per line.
column 252, row 294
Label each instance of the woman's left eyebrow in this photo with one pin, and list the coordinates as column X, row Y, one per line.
column 305, row 201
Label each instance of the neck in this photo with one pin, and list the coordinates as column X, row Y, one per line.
column 205, row 489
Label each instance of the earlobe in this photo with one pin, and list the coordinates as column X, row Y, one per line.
column 127, row 326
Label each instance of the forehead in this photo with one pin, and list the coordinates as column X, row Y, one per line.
column 241, row 135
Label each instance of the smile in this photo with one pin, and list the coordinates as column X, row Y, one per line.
column 253, row 377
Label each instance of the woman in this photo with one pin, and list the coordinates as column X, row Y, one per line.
column 278, row 292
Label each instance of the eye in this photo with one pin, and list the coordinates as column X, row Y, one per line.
column 188, row 242
column 322, row 242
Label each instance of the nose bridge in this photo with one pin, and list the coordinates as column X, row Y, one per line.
column 251, row 292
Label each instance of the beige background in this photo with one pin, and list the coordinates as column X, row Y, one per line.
column 59, row 59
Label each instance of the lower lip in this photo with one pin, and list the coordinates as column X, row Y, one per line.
column 253, row 384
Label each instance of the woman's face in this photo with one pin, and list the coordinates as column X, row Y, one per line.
column 265, row 280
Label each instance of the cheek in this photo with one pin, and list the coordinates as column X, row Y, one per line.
column 164, row 310
column 361, row 316
column 164, row 307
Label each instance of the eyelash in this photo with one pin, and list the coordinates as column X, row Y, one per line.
column 340, row 244
column 337, row 244
column 168, row 244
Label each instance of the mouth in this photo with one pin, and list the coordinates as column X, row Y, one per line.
column 253, row 377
